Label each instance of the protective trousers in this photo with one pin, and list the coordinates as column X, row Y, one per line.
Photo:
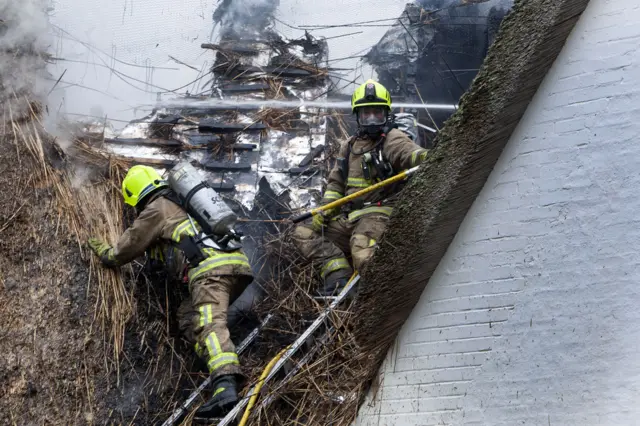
column 203, row 320
column 341, row 238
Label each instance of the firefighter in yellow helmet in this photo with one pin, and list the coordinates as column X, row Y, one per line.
column 377, row 152
column 161, row 229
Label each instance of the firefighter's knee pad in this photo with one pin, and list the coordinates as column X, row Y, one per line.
column 304, row 232
column 362, row 248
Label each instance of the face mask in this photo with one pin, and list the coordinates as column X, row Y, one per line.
column 371, row 116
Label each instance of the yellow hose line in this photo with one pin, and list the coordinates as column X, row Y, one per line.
column 263, row 376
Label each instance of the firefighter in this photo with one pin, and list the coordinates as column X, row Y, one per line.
column 377, row 152
column 159, row 229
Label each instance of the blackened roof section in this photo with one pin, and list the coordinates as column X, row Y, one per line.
column 434, row 50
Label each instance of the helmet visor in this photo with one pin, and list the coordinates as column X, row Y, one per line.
column 372, row 116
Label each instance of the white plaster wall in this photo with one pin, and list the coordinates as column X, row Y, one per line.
column 533, row 315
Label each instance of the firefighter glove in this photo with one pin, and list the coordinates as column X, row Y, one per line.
column 328, row 214
column 101, row 249
column 317, row 222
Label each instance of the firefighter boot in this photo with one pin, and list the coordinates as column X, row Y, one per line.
column 224, row 398
column 333, row 284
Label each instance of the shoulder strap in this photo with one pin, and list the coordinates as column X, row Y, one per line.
column 343, row 163
column 170, row 195
column 382, row 165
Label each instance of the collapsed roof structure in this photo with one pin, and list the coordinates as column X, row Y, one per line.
column 266, row 162
column 434, row 52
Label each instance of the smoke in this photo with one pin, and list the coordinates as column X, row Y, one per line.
column 483, row 5
column 23, row 42
column 245, row 17
column 276, row 103
column 116, row 57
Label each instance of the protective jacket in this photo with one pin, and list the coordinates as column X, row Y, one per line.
column 159, row 228
column 215, row 279
column 349, row 176
column 356, row 234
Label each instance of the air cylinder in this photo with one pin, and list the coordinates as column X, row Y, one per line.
column 200, row 200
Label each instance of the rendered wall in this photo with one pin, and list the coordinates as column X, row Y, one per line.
column 533, row 316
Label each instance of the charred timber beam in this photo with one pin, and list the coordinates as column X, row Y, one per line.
column 310, row 156
column 214, row 142
column 154, row 162
column 279, row 71
column 170, row 119
column 242, row 50
column 213, row 126
column 197, row 111
column 169, row 143
column 219, row 166
column 244, row 88
column 302, row 171
column 244, row 146
column 434, row 203
column 234, row 147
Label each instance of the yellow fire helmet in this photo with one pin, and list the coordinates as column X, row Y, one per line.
column 371, row 93
column 139, row 182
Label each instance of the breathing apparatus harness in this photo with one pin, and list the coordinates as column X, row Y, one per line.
column 192, row 246
column 372, row 160
column 203, row 238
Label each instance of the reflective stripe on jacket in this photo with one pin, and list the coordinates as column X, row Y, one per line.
column 162, row 222
column 357, row 214
column 401, row 152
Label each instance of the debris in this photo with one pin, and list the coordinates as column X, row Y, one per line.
column 316, row 151
column 170, row 143
column 158, row 162
column 217, row 166
column 210, row 125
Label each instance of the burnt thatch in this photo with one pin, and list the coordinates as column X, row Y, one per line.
column 329, row 385
column 433, row 205
column 81, row 344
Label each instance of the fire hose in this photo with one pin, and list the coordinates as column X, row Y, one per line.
column 344, row 200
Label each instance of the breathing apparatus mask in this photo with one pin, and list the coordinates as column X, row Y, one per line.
column 372, row 119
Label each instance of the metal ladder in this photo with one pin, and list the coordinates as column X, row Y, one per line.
column 180, row 411
column 306, row 338
column 295, row 346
